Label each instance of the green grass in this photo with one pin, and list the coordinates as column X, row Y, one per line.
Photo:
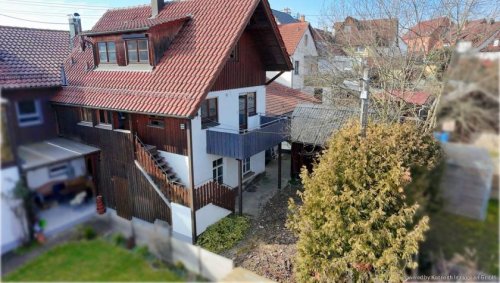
column 94, row 260
column 453, row 234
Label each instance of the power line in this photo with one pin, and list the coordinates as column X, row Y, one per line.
column 55, row 4
column 64, row 6
column 39, row 22
column 62, row 14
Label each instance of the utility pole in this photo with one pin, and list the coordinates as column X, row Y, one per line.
column 364, row 100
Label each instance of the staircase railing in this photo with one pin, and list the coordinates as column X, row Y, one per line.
column 152, row 166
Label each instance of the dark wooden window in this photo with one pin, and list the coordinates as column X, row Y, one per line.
column 209, row 113
column 104, row 117
column 296, row 68
column 29, row 113
column 234, row 56
column 218, row 171
column 107, row 52
column 137, row 51
column 252, row 103
column 86, row 115
column 156, row 121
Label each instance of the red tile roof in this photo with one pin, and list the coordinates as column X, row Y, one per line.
column 31, row 57
column 186, row 72
column 281, row 99
column 413, row 97
column 292, row 34
column 366, row 32
column 478, row 31
column 434, row 27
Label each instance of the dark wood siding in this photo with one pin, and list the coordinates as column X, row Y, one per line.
column 35, row 133
column 119, row 181
column 247, row 70
column 170, row 138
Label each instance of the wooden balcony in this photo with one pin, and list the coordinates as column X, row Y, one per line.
column 241, row 145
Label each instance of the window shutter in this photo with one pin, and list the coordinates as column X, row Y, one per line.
column 120, row 53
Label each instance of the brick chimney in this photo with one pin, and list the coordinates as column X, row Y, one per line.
column 302, row 18
column 75, row 26
column 156, row 6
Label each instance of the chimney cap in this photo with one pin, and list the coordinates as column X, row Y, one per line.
column 74, row 15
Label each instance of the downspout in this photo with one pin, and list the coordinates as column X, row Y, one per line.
column 191, row 179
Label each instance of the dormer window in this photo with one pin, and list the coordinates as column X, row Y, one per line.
column 137, row 51
column 107, row 52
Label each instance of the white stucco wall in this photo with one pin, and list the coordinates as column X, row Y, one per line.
column 229, row 122
column 12, row 229
column 39, row 177
column 488, row 55
column 179, row 164
column 306, row 55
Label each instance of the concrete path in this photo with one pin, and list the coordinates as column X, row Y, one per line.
column 244, row 275
column 265, row 188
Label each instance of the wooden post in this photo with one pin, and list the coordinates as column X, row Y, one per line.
column 240, row 187
column 191, row 180
column 279, row 166
column 364, row 101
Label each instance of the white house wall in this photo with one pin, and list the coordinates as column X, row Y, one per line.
column 179, row 164
column 12, row 229
column 39, row 177
column 306, row 55
column 228, row 106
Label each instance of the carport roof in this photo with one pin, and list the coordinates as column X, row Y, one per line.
column 52, row 151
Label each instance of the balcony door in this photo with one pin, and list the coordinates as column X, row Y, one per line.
column 243, row 112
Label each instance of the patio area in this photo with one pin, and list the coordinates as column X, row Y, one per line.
column 257, row 194
column 65, row 216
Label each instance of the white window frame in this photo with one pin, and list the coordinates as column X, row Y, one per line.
column 215, row 168
column 37, row 114
column 246, row 166
column 496, row 42
column 58, row 170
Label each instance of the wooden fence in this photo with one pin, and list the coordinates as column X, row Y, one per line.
column 215, row 193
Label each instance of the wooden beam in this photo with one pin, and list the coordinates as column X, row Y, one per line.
column 279, row 166
column 240, row 187
column 191, row 180
column 275, row 77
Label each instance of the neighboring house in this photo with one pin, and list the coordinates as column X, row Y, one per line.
column 282, row 100
column 429, row 35
column 174, row 96
column 31, row 74
column 311, row 127
column 363, row 39
column 284, row 17
column 412, row 104
column 302, row 50
column 481, row 37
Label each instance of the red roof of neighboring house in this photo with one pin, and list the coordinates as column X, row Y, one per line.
column 188, row 69
column 281, row 99
column 354, row 32
column 31, row 57
column 477, row 31
column 292, row 34
column 429, row 28
column 413, row 97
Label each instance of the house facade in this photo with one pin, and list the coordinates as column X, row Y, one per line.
column 52, row 168
column 479, row 37
column 301, row 48
column 429, row 35
column 173, row 94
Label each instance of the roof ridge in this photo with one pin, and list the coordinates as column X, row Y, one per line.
column 39, row 29
column 128, row 7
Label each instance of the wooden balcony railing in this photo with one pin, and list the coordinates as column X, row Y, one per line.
column 215, row 193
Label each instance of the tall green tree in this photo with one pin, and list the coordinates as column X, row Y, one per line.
column 354, row 221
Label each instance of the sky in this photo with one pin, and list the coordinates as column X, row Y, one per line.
column 52, row 14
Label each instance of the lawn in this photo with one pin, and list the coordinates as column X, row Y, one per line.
column 95, row 260
column 453, row 234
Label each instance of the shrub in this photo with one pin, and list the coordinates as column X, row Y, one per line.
column 86, row 232
column 356, row 222
column 224, row 234
column 118, row 239
column 143, row 251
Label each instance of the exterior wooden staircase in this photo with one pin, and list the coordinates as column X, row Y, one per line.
column 162, row 164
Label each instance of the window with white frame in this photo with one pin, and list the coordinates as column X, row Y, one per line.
column 496, row 42
column 58, row 170
column 217, row 171
column 29, row 113
column 246, row 165
column 296, row 68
